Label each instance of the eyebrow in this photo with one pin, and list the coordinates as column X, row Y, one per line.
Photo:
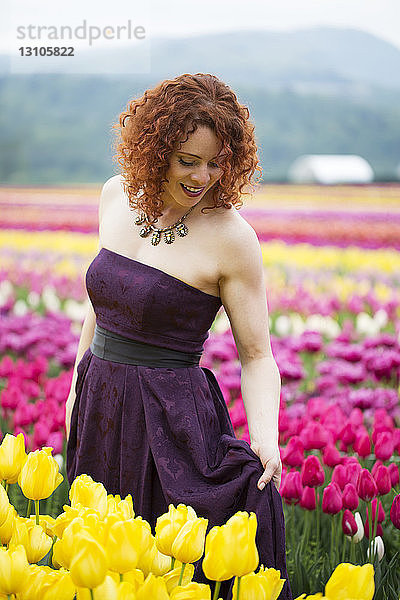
column 195, row 155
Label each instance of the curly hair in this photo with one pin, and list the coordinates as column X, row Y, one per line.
column 158, row 120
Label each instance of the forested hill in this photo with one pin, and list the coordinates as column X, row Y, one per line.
column 316, row 91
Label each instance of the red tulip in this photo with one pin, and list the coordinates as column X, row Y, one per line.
column 394, row 474
column 291, row 488
column 293, row 454
column 312, row 473
column 350, row 497
column 384, row 446
column 339, row 475
column 366, row 486
column 331, row 456
column 362, row 445
column 349, row 524
column 395, row 511
column 382, row 480
column 308, row 500
column 332, row 499
column 381, row 512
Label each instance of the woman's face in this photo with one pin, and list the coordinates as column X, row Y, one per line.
column 195, row 165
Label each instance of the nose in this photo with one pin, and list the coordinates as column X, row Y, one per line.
column 201, row 175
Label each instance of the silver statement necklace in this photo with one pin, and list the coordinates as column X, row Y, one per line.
column 169, row 236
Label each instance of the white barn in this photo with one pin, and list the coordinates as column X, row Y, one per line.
column 330, row 169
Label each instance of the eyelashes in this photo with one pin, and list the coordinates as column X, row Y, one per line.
column 190, row 164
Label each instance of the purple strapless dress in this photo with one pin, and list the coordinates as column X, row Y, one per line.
column 164, row 434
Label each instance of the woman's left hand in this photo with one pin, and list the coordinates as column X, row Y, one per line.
column 271, row 462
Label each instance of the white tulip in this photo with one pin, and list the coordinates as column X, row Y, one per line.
column 283, row 325
column 358, row 536
column 20, row 308
column 378, row 547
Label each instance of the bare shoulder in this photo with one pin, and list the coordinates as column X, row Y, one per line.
column 111, row 189
column 239, row 247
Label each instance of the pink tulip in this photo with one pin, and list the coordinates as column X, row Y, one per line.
column 362, row 445
column 395, row 511
column 381, row 512
column 383, row 481
column 378, row 463
column 308, row 499
column 348, row 434
column 394, row 474
column 312, row 473
column 331, row 456
column 366, row 486
column 332, row 499
column 315, row 436
column 293, row 455
column 353, row 470
column 291, row 489
column 396, row 439
column 384, row 446
column 350, row 497
column 339, row 475
column 349, row 525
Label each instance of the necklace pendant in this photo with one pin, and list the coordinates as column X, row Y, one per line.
column 155, row 238
column 144, row 232
column 169, row 236
column 140, row 219
column 181, row 229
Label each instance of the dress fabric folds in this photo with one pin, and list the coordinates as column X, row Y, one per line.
column 164, row 434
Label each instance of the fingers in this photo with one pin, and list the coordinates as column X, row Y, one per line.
column 269, row 474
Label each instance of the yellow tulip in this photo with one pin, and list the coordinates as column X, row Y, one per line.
column 88, row 566
column 32, row 537
column 12, row 457
column 44, row 583
column 169, row 524
column 47, row 522
column 172, row 577
column 153, row 587
column 188, row 546
column 135, row 578
column 69, row 514
column 125, row 542
column 108, row 590
column 154, row 561
column 89, row 493
column 191, row 591
column 40, row 474
column 351, row 581
column 64, row 547
column 13, row 569
column 4, row 505
column 6, row 528
column 230, row 549
column 124, row 508
column 317, row 596
column 264, row 585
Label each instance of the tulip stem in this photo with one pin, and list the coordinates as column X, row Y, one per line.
column 332, row 544
column 37, row 511
column 216, row 590
column 181, row 574
column 370, row 531
column 121, row 577
column 238, row 588
column 374, row 546
column 29, row 508
column 91, row 594
column 172, row 562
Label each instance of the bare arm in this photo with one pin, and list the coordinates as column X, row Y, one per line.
column 89, row 322
column 243, row 294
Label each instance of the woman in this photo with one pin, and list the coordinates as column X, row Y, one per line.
column 142, row 416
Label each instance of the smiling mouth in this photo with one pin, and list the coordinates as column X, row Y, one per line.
column 193, row 191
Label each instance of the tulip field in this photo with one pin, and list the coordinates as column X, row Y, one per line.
column 332, row 272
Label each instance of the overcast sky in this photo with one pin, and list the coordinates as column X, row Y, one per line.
column 182, row 17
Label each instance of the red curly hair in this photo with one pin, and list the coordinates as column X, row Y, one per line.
column 159, row 119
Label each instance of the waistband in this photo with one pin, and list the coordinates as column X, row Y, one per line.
column 117, row 348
